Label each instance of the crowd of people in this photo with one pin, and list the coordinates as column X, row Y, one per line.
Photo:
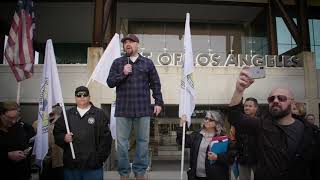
column 282, row 143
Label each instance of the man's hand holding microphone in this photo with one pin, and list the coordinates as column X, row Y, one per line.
column 127, row 69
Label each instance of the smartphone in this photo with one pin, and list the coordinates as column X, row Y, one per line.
column 257, row 72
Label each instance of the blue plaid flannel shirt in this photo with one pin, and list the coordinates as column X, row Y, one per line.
column 133, row 90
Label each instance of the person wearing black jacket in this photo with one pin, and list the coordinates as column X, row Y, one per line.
column 90, row 135
column 245, row 144
column 287, row 147
column 299, row 112
column 200, row 168
column 15, row 143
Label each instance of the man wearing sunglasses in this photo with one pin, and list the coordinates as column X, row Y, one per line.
column 287, row 148
column 90, row 135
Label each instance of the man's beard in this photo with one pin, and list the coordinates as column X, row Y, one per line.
column 277, row 113
column 129, row 51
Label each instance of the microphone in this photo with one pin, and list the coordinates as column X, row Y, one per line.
column 128, row 58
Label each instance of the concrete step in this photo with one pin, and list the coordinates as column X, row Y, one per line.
column 152, row 175
column 169, row 148
column 169, row 157
column 169, row 153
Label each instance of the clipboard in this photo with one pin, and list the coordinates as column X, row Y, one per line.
column 218, row 145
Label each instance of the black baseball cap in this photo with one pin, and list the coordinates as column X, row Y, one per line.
column 81, row 89
column 131, row 37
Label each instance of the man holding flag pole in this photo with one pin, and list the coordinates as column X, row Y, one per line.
column 50, row 94
column 187, row 91
column 90, row 134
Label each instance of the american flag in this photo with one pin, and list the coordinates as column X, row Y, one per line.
column 19, row 49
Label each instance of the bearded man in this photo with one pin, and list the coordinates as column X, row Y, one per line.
column 286, row 147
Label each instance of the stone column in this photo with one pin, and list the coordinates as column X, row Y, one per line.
column 310, row 83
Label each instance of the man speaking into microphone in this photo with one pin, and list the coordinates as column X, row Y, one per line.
column 133, row 76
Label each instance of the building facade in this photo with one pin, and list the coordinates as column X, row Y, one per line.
column 281, row 35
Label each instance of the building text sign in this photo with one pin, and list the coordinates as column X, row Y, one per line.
column 222, row 59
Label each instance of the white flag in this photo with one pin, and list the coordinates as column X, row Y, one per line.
column 101, row 72
column 187, row 91
column 50, row 94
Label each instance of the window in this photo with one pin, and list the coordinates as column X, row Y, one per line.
column 285, row 40
column 314, row 29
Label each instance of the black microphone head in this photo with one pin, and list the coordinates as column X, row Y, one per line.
column 127, row 55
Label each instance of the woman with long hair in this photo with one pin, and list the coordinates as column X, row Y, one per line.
column 201, row 156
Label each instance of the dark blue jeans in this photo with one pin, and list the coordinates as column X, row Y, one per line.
column 83, row 174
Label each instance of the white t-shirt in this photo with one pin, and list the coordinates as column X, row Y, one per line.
column 83, row 111
column 134, row 58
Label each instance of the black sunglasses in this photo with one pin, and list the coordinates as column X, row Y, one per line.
column 281, row 98
column 82, row 94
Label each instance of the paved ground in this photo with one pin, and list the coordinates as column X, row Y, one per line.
column 153, row 175
column 160, row 170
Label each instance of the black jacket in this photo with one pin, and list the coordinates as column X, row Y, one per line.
column 91, row 138
column 219, row 170
column 17, row 138
column 273, row 161
column 246, row 146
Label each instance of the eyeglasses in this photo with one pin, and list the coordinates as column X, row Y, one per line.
column 83, row 94
column 208, row 119
column 281, row 98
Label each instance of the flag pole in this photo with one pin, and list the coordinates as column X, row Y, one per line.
column 91, row 77
column 18, row 93
column 68, row 129
column 183, row 131
column 89, row 81
column 183, row 144
column 186, row 114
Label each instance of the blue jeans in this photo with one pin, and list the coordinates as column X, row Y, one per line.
column 83, row 174
column 140, row 162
